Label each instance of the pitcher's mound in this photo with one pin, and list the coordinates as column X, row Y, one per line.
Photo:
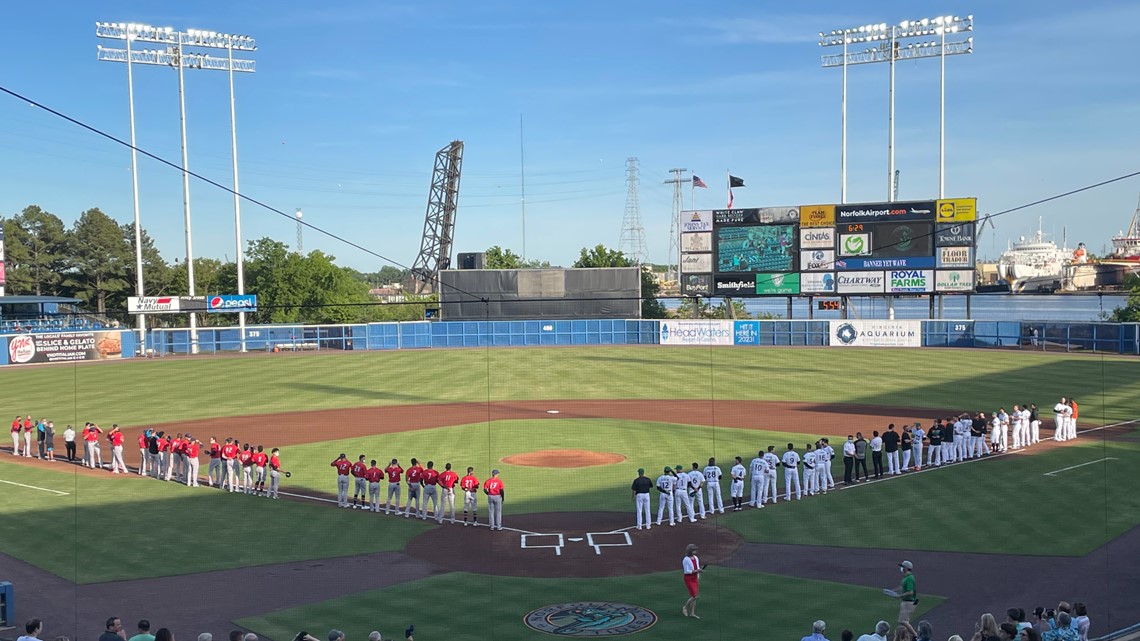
column 563, row 458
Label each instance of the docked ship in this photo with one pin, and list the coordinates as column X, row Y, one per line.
column 1126, row 245
column 1034, row 264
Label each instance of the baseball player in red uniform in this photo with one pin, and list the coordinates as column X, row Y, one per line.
column 274, row 473
column 393, row 471
column 496, row 494
column 447, row 481
column 374, row 475
column 116, row 438
column 260, row 458
column 191, row 448
column 229, row 455
column 173, row 454
column 470, row 486
column 90, row 439
column 214, row 471
column 16, row 425
column 358, row 490
column 343, row 468
column 431, row 490
column 415, row 483
column 28, row 437
column 142, row 453
column 246, row 458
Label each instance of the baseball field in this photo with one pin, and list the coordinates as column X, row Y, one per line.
column 568, row 428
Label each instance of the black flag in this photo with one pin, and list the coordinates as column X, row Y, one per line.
column 733, row 181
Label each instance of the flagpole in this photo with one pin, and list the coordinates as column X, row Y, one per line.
column 693, row 200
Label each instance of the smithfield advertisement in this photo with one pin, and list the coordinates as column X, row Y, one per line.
column 876, row 333
column 65, row 347
column 697, row 332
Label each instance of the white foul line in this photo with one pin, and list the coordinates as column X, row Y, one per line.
column 33, row 487
column 1064, row 469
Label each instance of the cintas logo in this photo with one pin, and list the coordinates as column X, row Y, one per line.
column 21, row 349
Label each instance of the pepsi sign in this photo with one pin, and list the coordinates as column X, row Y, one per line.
column 231, row 304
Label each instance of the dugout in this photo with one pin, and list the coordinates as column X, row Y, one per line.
column 540, row 294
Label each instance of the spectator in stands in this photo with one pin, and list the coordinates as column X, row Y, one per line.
column 32, row 629
column 925, row 631
column 236, row 635
column 1007, row 631
column 986, row 629
column 1016, row 616
column 1064, row 630
column 954, row 637
column 817, row 630
column 1081, row 620
column 1063, row 606
column 882, row 629
column 164, row 634
column 249, row 637
column 846, row 635
column 902, row 634
column 144, row 629
column 1040, row 620
column 1028, row 634
column 205, row 636
column 336, row 635
column 114, row 631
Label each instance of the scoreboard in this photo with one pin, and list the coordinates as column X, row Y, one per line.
column 898, row 248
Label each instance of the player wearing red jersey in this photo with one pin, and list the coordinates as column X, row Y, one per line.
column 28, row 436
column 343, row 469
column 116, row 438
column 274, row 473
column 191, row 449
column 246, row 458
column 431, row 490
column 229, row 455
column 493, row 488
column 259, row 458
column 415, row 483
column 16, row 425
column 374, row 475
column 142, row 453
column 214, row 474
column 174, row 454
column 470, row 486
column 393, row 471
column 447, row 481
column 358, row 491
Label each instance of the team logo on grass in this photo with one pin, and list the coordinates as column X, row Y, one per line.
column 590, row 619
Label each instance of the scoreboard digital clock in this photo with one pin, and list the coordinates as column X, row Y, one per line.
column 828, row 305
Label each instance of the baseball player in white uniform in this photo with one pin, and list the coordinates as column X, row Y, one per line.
column 681, row 497
column 712, row 484
column 917, row 434
column 773, row 461
column 1070, row 420
column 791, row 462
column 810, row 477
column 665, row 484
column 1059, row 420
column 696, row 483
column 825, row 473
column 759, row 480
column 962, row 441
column 736, row 487
column 1015, row 422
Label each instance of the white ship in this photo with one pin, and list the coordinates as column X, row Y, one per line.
column 1126, row 245
column 1033, row 264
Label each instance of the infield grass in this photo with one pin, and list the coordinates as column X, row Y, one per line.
column 115, row 528
column 141, row 391
column 734, row 604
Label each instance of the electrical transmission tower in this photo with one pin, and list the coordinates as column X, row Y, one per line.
column 439, row 223
column 674, row 261
column 632, row 242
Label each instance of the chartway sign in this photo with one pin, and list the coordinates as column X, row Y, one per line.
column 232, row 304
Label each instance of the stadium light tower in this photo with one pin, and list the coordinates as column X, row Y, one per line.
column 886, row 45
column 175, row 56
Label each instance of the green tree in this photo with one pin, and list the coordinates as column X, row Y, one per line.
column 98, row 259
column 498, row 258
column 1130, row 312
column 601, row 256
column 36, row 244
column 157, row 274
column 265, row 275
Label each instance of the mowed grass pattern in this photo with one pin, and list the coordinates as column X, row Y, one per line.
column 151, row 391
column 467, row 606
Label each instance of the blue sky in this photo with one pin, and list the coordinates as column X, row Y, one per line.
column 351, row 100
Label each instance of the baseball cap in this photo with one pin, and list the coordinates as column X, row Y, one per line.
column 907, row 564
column 679, row 468
column 667, row 468
column 641, row 470
column 494, row 472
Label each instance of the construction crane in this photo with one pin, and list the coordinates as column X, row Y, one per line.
column 439, row 223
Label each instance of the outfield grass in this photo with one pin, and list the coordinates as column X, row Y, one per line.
column 149, row 391
column 482, row 607
column 113, row 528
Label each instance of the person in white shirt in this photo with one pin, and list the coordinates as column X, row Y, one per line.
column 759, row 480
column 1059, row 424
column 825, row 473
column 712, row 484
column 882, row 629
column 809, row 470
column 817, row 630
column 773, row 465
column 962, row 439
column 696, row 483
column 69, row 443
column 1015, row 421
column 681, row 498
column 1026, row 425
column 877, row 454
column 736, row 487
column 917, row 434
column 791, row 462
column 691, row 566
column 848, row 458
column 665, row 498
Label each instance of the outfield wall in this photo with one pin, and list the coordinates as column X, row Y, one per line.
column 1112, row 338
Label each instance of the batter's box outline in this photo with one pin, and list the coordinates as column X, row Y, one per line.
column 523, row 543
column 626, row 541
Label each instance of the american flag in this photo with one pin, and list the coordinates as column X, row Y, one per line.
column 697, row 182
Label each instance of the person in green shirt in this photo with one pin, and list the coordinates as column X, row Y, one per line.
column 144, row 632
column 908, row 597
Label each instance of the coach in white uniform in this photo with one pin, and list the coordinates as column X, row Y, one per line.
column 665, row 484
column 712, row 484
column 681, row 498
column 759, row 480
column 791, row 462
column 736, row 487
column 696, row 483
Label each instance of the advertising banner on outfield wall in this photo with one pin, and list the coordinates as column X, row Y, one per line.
column 65, row 347
column 166, row 304
column 876, row 333
column 696, row 332
column 746, row 333
column 696, row 242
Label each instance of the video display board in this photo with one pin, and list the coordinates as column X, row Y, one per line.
column 897, row 248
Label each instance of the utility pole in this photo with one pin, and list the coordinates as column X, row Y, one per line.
column 674, row 260
column 632, row 240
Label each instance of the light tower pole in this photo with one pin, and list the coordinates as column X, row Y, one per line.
column 675, row 225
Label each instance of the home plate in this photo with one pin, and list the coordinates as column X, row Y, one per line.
column 551, row 411
column 575, row 539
